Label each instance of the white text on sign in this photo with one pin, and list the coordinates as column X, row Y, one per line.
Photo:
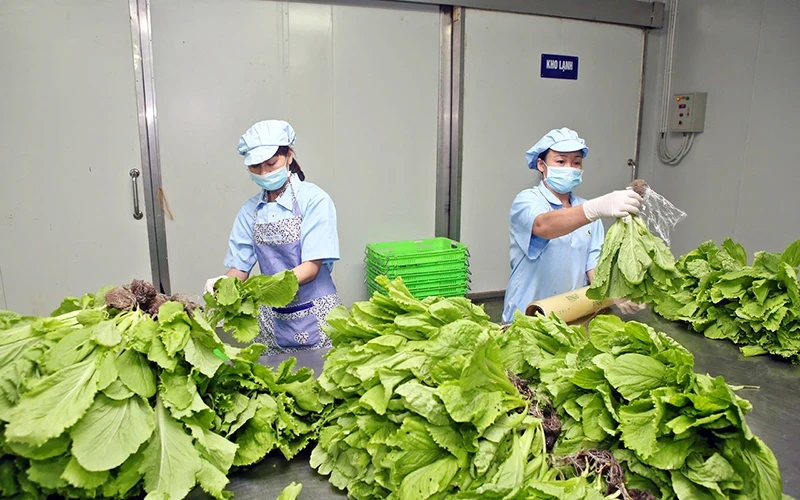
column 559, row 65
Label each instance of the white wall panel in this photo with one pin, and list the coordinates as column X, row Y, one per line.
column 739, row 179
column 360, row 86
column 68, row 137
column 716, row 50
column 508, row 107
column 768, row 207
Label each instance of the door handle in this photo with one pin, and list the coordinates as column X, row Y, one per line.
column 634, row 169
column 137, row 214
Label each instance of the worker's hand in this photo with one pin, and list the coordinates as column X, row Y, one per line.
column 210, row 284
column 614, row 204
column 627, row 306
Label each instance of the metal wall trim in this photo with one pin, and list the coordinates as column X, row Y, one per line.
column 148, row 141
column 640, row 112
column 493, row 295
column 456, row 124
column 444, row 123
column 624, row 12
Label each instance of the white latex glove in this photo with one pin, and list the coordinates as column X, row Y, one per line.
column 210, row 284
column 614, row 204
column 627, row 306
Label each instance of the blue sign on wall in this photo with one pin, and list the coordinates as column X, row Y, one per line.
column 561, row 67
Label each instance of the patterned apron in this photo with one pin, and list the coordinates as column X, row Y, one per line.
column 297, row 326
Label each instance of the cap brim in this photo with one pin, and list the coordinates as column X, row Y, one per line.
column 259, row 155
column 570, row 146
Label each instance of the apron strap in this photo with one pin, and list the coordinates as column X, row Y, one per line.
column 295, row 206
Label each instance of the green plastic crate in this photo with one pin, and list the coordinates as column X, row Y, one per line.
column 446, row 293
column 432, row 252
column 417, row 270
column 462, row 274
column 430, row 281
column 422, row 292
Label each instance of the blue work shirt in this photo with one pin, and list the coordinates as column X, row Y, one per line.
column 541, row 268
column 319, row 239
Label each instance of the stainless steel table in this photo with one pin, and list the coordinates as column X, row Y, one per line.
column 773, row 418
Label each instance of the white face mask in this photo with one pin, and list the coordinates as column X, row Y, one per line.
column 272, row 181
column 563, row 179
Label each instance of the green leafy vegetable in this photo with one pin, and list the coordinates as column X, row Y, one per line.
column 685, row 432
column 127, row 393
column 290, row 492
column 633, row 263
column 236, row 303
column 450, row 406
column 756, row 306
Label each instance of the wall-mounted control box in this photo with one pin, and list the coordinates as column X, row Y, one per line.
column 687, row 112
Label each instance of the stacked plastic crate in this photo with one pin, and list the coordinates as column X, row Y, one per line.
column 433, row 267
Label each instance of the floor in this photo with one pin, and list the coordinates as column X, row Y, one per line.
column 494, row 308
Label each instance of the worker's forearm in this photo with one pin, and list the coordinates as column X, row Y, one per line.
column 235, row 273
column 590, row 275
column 557, row 223
column 307, row 271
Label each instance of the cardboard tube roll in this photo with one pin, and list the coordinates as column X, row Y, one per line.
column 568, row 306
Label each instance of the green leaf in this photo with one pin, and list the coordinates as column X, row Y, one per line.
column 79, row 477
column 106, row 370
column 713, row 470
column 376, row 398
column 174, row 327
column 110, row 432
column 245, row 328
column 423, row 401
column 639, row 427
column 91, row 317
column 273, row 291
column 170, row 461
column 749, row 351
column 106, row 334
column 480, row 408
column 446, row 312
column 177, row 390
column 200, row 354
column 671, row 454
column 50, row 449
column 142, row 334
column 735, row 251
column 597, row 421
column 510, row 475
column 127, row 477
column 633, row 257
column 428, row 480
column 791, row 255
column 117, row 390
column 257, row 437
column 12, row 377
column 137, row 375
column 71, row 349
column 47, row 473
column 291, row 491
column 685, row 489
column 451, row 440
column 53, row 405
column 214, row 448
column 227, row 292
column 158, row 354
column 757, row 465
column 635, row 374
column 213, row 480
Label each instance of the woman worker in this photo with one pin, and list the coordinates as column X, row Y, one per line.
column 289, row 224
column 555, row 234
